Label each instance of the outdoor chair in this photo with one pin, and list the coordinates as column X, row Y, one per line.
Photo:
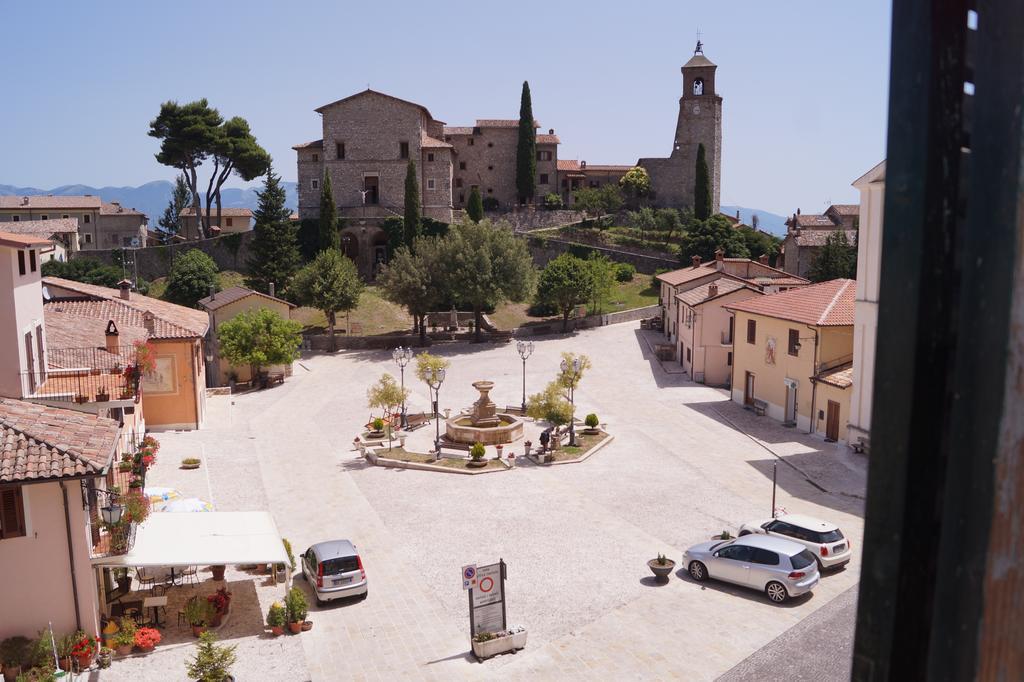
column 145, row 578
column 190, row 574
column 181, row 612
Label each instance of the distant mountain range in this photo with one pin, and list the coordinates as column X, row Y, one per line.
column 152, row 197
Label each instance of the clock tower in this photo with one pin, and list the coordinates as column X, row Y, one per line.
column 699, row 122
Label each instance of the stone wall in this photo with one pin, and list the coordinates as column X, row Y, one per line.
column 544, row 249
column 155, row 261
column 526, row 219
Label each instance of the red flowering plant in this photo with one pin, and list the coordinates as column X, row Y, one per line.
column 220, row 599
column 151, row 443
column 136, row 506
column 147, row 637
column 85, row 647
column 145, row 362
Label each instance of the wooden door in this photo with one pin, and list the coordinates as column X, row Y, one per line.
column 748, row 390
column 832, row 421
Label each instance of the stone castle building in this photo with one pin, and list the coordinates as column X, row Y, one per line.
column 369, row 138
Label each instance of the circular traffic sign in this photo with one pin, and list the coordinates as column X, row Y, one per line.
column 487, row 584
column 469, row 572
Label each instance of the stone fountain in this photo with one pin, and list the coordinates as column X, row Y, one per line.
column 483, row 423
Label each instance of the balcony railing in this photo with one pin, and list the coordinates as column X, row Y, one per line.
column 726, row 338
column 82, row 375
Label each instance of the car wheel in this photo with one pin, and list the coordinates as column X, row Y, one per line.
column 744, row 532
column 698, row 571
column 776, row 591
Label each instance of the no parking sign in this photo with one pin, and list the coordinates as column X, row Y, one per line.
column 469, row 576
column 486, row 598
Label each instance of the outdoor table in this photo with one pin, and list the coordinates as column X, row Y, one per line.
column 155, row 603
column 123, row 608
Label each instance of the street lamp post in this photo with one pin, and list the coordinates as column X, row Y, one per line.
column 436, row 379
column 402, row 356
column 572, row 369
column 525, row 349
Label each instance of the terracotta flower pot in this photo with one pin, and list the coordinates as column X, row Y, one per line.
column 218, row 572
column 145, row 649
column 295, row 627
column 217, row 619
column 196, row 631
column 84, row 660
column 277, row 630
column 307, row 625
column 124, row 649
column 65, row 663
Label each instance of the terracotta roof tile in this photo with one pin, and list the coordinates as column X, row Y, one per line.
column 703, row 292
column 841, row 376
column 433, row 143
column 22, row 241
column 568, row 164
column 40, row 443
column 315, row 144
column 232, row 294
column 683, row 275
column 827, row 304
column 48, row 201
column 233, row 212
column 548, row 139
column 368, row 91
column 847, row 209
column 501, row 123
column 608, row 168
column 115, row 208
column 42, row 228
column 812, row 220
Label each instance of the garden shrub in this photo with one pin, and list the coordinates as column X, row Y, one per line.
column 624, row 272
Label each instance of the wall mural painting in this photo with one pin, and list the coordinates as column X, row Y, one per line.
column 162, row 378
column 769, row 351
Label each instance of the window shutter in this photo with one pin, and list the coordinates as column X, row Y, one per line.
column 12, row 516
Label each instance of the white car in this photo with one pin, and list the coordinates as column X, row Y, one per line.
column 826, row 542
column 779, row 568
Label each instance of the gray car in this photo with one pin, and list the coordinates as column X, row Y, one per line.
column 334, row 570
column 779, row 568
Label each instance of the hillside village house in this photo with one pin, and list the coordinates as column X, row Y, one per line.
column 806, row 234
column 226, row 305
column 705, row 328
column 232, row 220
column 758, row 274
column 869, row 265
column 62, row 233
column 101, row 225
column 794, row 354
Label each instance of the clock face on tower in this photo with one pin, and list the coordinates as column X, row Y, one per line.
column 696, row 109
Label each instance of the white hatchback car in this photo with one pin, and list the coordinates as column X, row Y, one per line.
column 826, row 542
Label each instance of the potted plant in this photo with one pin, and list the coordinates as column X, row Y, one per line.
column 190, row 463
column 487, row 644
column 13, row 654
column 377, row 428
column 296, row 607
column 102, row 396
column 476, row 454
column 661, row 567
column 103, row 658
column 64, row 645
column 527, row 446
column 198, row 613
column 212, row 662
column 276, row 619
column 146, row 639
column 124, row 639
column 591, row 421
column 84, row 650
column 80, row 398
column 218, row 571
column 724, row 535
column 124, row 467
column 500, row 449
column 221, row 602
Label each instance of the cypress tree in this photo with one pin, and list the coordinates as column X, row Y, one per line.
column 702, row 187
column 412, row 204
column 328, row 238
column 274, row 253
column 526, row 152
column 475, row 205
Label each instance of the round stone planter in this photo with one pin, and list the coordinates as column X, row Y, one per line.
column 661, row 571
column 476, row 463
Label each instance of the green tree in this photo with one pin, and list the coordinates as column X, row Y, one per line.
column 415, row 279
column 412, row 204
column 485, row 265
column 427, row 366
column 837, row 259
column 258, row 338
column 193, row 276
column 274, row 253
column 550, row 405
column 170, row 222
column 645, row 220
column 387, row 395
column 328, row 238
column 212, row 662
column 195, row 132
column 475, row 205
column 704, row 237
column 567, row 379
column 702, row 187
column 759, row 243
column 330, row 284
column 526, row 151
column 88, row 271
column 635, row 184
column 603, row 272
column 565, row 282
column 394, row 228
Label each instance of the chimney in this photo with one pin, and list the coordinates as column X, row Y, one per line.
column 583, row 165
column 696, row 261
column 737, row 215
column 798, row 211
column 763, row 259
column 719, row 254
column 149, row 320
column 112, row 338
column 712, row 290
column 270, row 288
column 551, row 131
column 24, row 201
column 125, row 286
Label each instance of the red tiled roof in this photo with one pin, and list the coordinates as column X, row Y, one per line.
column 181, row 322
column 568, row 164
column 841, row 376
column 48, row 201
column 232, row 294
column 846, row 209
column 115, row 208
column 47, row 443
column 812, row 220
column 683, row 275
column 232, row 212
column 501, row 123
column 22, row 241
column 433, row 143
column 368, row 91
column 41, row 227
column 702, row 293
column 827, row 304
column 315, row 144
column 458, row 130
column 548, row 139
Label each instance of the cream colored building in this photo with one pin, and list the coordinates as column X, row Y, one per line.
column 101, row 224
column 226, row 305
column 705, row 328
column 793, row 356
column 869, row 266
column 231, row 220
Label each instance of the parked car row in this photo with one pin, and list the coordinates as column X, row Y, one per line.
column 782, row 557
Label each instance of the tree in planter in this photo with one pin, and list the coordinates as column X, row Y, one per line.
column 411, row 217
column 551, row 406
column 274, row 254
column 387, row 395
column 296, row 607
column 193, row 276
column 475, row 205
column 591, row 421
column 477, row 452
column 259, row 338
column 565, row 282
column 485, row 266
column 212, row 661
column 330, row 284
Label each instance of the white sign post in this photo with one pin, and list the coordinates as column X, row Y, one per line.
column 487, row 599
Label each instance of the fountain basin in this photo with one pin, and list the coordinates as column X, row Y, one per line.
column 460, row 429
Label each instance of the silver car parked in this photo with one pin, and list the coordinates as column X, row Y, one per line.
column 779, row 568
column 334, row 570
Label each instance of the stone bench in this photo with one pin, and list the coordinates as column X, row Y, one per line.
column 759, row 406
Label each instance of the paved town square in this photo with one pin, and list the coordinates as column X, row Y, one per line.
column 685, row 463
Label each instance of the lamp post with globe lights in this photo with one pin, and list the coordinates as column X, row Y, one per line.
column 571, row 369
column 434, row 382
column 402, row 356
column 525, row 349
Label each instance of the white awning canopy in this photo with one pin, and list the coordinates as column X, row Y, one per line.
column 203, row 539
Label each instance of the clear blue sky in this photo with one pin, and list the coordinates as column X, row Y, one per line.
column 805, row 84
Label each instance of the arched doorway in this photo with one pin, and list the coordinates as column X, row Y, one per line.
column 350, row 245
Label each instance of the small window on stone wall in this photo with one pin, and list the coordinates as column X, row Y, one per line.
column 462, row 165
column 314, row 183
column 490, row 190
column 471, row 141
column 430, row 183
column 490, row 168
column 316, row 157
column 430, row 156
column 458, row 182
column 543, row 178
column 403, row 150
column 490, row 144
